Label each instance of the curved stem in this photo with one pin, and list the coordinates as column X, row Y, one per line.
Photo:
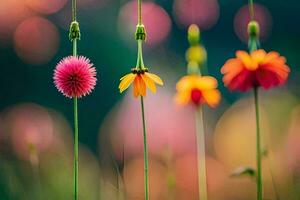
column 200, row 135
column 258, row 148
column 145, row 151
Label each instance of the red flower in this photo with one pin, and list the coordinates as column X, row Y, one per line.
column 75, row 76
column 257, row 69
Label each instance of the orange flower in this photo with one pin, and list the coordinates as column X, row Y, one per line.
column 257, row 69
column 198, row 90
column 141, row 79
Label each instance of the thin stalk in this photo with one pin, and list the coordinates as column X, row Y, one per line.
column 251, row 9
column 146, row 182
column 140, row 62
column 201, row 154
column 35, row 166
column 74, row 10
column 139, row 12
column 75, row 149
column 258, row 147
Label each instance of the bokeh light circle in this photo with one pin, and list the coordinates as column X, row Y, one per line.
column 12, row 12
column 29, row 125
column 204, row 13
column 46, row 6
column 262, row 16
column 155, row 19
column 36, row 40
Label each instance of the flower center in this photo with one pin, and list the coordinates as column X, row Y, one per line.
column 196, row 96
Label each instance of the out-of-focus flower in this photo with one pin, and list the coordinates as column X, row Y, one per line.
column 257, row 69
column 198, row 90
column 75, row 76
column 197, row 54
column 141, row 79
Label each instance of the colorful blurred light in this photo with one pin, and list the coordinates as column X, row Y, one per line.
column 30, row 126
column 204, row 13
column 36, row 40
column 46, row 6
column 262, row 16
column 12, row 12
column 169, row 127
column 91, row 4
column 235, row 135
column 155, row 19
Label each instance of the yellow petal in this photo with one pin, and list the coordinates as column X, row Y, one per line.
column 258, row 55
column 186, row 82
column 126, row 81
column 212, row 97
column 139, row 87
column 183, row 98
column 155, row 78
column 246, row 59
column 149, row 83
column 206, row 82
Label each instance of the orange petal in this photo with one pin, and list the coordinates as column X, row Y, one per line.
column 149, row 83
column 258, row 55
column 212, row 97
column 206, row 82
column 126, row 81
column 183, row 97
column 186, row 82
column 246, row 59
column 155, row 78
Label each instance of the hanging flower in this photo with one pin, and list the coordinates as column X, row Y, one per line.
column 198, row 90
column 141, row 79
column 75, row 76
column 257, row 69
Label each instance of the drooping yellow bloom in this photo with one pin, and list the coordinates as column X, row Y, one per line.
column 141, row 80
column 198, row 90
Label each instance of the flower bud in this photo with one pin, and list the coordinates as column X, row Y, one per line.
column 140, row 33
column 74, row 33
column 193, row 34
column 253, row 29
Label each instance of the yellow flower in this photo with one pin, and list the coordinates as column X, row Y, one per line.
column 198, row 90
column 141, row 79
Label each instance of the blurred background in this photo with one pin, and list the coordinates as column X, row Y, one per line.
column 36, row 121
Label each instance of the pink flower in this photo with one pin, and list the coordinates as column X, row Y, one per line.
column 75, row 76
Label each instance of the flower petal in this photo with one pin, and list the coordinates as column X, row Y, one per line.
column 149, row 83
column 183, row 97
column 206, row 82
column 126, row 81
column 155, row 78
column 212, row 97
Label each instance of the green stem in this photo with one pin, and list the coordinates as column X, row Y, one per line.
column 251, row 9
column 201, row 154
column 258, row 148
column 145, row 151
column 140, row 62
column 75, row 149
column 139, row 12
column 74, row 10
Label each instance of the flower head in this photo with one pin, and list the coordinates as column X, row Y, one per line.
column 141, row 79
column 75, row 76
column 198, row 90
column 257, row 69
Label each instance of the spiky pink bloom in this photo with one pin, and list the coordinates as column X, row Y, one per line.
column 75, row 76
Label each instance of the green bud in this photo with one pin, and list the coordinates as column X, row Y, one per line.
column 74, row 33
column 193, row 34
column 253, row 29
column 140, row 33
